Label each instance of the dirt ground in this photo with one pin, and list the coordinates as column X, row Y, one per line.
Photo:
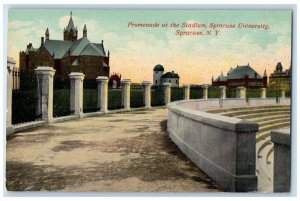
column 125, row 152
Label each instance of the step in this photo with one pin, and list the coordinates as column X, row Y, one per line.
column 264, row 123
column 254, row 111
column 262, row 136
column 273, row 126
column 250, row 116
column 222, row 110
column 263, row 146
column 261, row 119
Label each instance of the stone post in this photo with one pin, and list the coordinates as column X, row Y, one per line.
column 205, row 91
column 240, row 92
column 282, row 93
column 186, row 92
column 282, row 159
column 45, row 92
column 76, row 96
column 147, row 93
column 9, row 84
column 263, row 93
column 126, row 93
column 167, row 92
column 222, row 92
column 102, row 87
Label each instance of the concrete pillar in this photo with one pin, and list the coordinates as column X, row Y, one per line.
column 45, row 92
column 282, row 93
column 102, row 87
column 167, row 92
column 147, row 93
column 76, row 93
column 222, row 92
column 186, row 92
column 205, row 91
column 9, row 86
column 282, row 159
column 126, row 93
column 263, row 93
column 240, row 92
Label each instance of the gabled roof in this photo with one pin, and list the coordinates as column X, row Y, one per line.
column 241, row 71
column 79, row 47
column 58, row 47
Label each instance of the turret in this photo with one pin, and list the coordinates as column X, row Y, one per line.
column 84, row 31
column 47, row 35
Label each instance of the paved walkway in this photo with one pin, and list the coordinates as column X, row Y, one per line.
column 112, row 153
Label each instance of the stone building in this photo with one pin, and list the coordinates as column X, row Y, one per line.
column 68, row 55
column 159, row 77
column 280, row 79
column 114, row 80
column 244, row 76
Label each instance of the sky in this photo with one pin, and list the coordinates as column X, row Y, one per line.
column 135, row 51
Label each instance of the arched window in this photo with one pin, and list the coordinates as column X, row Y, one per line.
column 169, row 81
column 155, row 81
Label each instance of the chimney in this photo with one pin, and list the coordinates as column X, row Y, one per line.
column 42, row 41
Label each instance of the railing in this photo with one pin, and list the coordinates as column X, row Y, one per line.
column 24, row 101
column 157, row 96
column 90, row 96
column 177, row 93
column 136, row 97
column 61, row 98
column 114, row 98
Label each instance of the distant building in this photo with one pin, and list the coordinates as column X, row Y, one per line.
column 15, row 73
column 280, row 79
column 159, row 77
column 68, row 55
column 114, row 80
column 244, row 76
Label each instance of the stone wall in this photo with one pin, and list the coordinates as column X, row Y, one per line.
column 223, row 147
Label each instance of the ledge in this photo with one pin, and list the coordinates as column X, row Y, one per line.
column 281, row 136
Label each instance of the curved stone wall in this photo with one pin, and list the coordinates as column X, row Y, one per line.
column 223, row 147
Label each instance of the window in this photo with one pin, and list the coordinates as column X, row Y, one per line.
column 169, row 81
column 155, row 81
column 176, row 81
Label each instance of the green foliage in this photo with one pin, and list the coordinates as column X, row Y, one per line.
column 213, row 92
column 230, row 93
column 136, row 98
column 114, row 99
column 176, row 94
column 90, row 100
column 61, row 102
column 24, row 103
column 157, row 97
column 196, row 93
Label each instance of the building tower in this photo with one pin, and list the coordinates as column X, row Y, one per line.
column 84, row 32
column 70, row 32
column 158, row 71
column 47, row 34
column 265, row 78
column 279, row 67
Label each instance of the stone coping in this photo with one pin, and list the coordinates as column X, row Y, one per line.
column 281, row 136
column 214, row 120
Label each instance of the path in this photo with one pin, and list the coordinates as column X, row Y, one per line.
column 111, row 153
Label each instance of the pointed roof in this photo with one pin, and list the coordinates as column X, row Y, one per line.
column 70, row 24
column 84, row 28
column 47, row 31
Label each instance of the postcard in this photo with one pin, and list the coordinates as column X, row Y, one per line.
column 148, row 100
